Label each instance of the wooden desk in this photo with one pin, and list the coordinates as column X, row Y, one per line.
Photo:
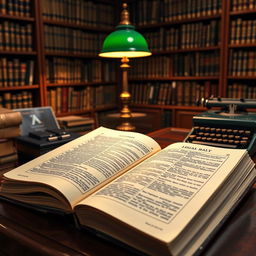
column 26, row 232
column 167, row 136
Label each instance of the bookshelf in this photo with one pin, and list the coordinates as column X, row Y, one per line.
column 49, row 55
column 76, row 80
column 197, row 53
column 241, row 75
column 200, row 48
column 20, row 55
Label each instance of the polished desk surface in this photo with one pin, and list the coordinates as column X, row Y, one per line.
column 28, row 232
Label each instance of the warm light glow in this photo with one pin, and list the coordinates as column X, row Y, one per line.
column 128, row 54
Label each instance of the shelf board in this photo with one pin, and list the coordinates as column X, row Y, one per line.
column 103, row 108
column 18, row 88
column 242, row 77
column 74, row 112
column 242, row 45
column 106, row 107
column 78, row 26
column 242, row 12
column 18, row 18
column 4, row 52
column 70, row 54
column 174, row 78
column 177, row 107
column 198, row 49
column 79, row 84
column 175, row 22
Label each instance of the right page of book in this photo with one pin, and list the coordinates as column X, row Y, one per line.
column 161, row 195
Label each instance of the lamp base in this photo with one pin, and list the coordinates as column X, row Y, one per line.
column 126, row 126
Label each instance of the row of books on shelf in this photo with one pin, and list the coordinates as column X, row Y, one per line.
column 186, row 36
column 174, row 93
column 70, row 99
column 71, row 40
column 16, row 72
column 81, row 12
column 155, row 66
column 241, row 5
column 12, row 100
column 241, row 90
column 148, row 12
column 200, row 34
column 65, row 70
column 196, row 64
column 16, row 7
column 243, row 31
column 193, row 35
column 242, row 63
column 182, row 64
column 15, row 36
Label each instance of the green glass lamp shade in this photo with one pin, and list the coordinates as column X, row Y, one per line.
column 125, row 42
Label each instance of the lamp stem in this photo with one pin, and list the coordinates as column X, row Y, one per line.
column 125, row 97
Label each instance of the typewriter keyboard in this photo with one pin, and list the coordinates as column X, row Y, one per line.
column 220, row 137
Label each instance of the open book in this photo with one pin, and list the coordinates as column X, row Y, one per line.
column 161, row 202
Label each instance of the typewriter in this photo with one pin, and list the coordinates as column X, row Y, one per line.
column 230, row 127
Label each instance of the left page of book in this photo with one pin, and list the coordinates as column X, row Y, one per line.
column 79, row 167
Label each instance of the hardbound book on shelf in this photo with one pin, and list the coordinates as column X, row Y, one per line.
column 121, row 184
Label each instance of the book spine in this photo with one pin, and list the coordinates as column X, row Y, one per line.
column 3, row 7
column 7, row 147
column 10, row 78
column 16, row 73
column 8, row 158
column 4, row 72
column 9, row 119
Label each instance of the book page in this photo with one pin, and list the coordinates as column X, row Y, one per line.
column 78, row 167
column 161, row 195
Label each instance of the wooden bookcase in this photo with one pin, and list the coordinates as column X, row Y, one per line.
column 20, row 55
column 60, row 66
column 200, row 49
column 193, row 57
column 241, row 49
